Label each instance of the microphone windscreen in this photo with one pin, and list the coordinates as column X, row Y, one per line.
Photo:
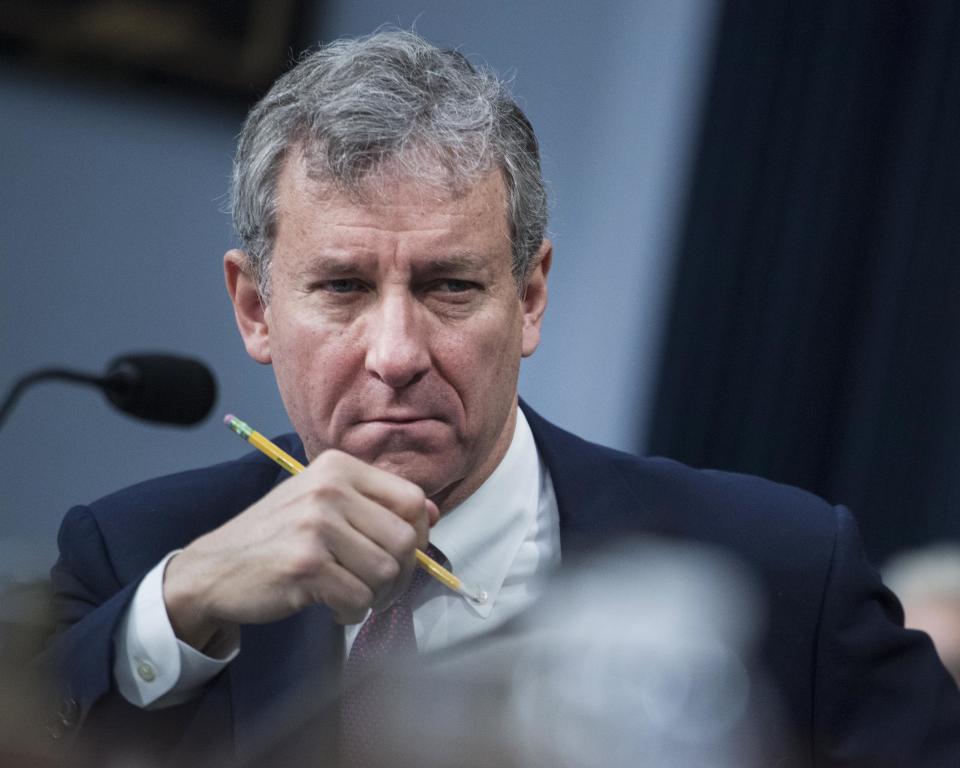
column 162, row 388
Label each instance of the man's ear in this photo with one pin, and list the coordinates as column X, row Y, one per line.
column 534, row 299
column 248, row 307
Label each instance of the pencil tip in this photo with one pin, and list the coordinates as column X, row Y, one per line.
column 478, row 596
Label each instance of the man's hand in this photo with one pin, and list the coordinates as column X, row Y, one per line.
column 341, row 533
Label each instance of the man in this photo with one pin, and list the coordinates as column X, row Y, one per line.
column 394, row 272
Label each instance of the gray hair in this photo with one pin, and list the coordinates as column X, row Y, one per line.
column 356, row 105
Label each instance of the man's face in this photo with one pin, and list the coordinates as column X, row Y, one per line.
column 395, row 327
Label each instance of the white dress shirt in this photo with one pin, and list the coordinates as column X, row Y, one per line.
column 503, row 539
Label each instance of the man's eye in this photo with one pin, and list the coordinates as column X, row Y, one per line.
column 345, row 285
column 456, row 286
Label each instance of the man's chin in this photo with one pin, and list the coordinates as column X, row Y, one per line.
column 417, row 452
column 429, row 472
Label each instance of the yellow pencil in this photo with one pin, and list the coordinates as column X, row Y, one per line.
column 294, row 467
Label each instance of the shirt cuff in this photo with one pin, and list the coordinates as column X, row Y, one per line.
column 152, row 667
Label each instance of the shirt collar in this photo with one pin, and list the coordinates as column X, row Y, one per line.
column 482, row 535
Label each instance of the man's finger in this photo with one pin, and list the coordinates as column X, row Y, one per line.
column 386, row 571
column 433, row 512
column 400, row 496
column 383, row 527
column 344, row 594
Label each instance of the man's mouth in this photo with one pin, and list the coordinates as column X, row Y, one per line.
column 399, row 418
column 399, row 421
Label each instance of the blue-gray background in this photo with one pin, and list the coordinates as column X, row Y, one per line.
column 113, row 232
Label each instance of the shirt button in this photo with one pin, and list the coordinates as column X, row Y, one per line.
column 146, row 671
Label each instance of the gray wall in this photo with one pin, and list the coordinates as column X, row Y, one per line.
column 113, row 234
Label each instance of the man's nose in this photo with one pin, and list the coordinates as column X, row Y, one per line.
column 397, row 353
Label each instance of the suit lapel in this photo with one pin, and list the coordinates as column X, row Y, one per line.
column 593, row 499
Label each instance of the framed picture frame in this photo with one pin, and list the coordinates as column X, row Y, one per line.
column 234, row 47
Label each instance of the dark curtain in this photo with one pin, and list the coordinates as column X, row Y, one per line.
column 815, row 329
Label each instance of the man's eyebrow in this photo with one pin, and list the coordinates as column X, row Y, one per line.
column 346, row 265
column 332, row 264
column 454, row 262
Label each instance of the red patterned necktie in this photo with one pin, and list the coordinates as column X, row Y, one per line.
column 384, row 637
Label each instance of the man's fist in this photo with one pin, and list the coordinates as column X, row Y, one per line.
column 341, row 533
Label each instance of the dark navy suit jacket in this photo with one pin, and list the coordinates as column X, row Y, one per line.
column 857, row 687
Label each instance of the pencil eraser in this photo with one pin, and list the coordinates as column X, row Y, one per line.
column 228, row 418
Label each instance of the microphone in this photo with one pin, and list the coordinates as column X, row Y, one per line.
column 166, row 389
column 161, row 388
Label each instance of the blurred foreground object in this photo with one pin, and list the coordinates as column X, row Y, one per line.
column 927, row 581
column 26, row 621
column 640, row 658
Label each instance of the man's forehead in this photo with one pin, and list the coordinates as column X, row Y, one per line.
column 390, row 185
column 420, row 227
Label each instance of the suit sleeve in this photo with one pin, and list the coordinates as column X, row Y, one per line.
column 89, row 600
column 881, row 696
column 86, row 714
